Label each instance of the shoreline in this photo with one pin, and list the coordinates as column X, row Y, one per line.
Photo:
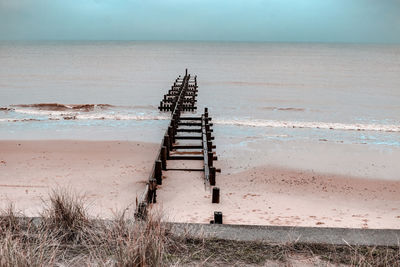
column 113, row 174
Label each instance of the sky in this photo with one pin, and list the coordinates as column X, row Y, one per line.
column 352, row 21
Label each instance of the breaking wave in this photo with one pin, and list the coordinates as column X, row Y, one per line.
column 283, row 109
column 63, row 107
column 55, row 111
column 312, row 125
column 91, row 117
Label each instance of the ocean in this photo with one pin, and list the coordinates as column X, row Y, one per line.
column 257, row 93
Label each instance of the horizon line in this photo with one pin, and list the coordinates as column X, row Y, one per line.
column 199, row 41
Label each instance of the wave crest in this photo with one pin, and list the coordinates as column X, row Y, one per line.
column 312, row 125
column 63, row 107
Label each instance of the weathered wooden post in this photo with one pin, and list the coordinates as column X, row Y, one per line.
column 210, row 158
column 152, row 196
column 166, row 143
column 175, row 115
column 209, row 146
column 171, row 136
column 215, row 195
column 217, row 217
column 173, row 125
column 207, row 125
column 212, row 175
column 208, row 134
column 141, row 213
column 163, row 157
column 158, row 172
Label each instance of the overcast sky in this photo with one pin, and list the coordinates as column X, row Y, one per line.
column 375, row 21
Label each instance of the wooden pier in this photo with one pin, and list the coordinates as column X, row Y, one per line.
column 180, row 98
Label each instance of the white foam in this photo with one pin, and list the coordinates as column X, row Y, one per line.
column 312, row 125
column 17, row 120
column 103, row 116
column 44, row 112
column 56, row 115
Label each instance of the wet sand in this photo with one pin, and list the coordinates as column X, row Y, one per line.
column 110, row 174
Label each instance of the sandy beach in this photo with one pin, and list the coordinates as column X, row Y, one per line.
column 111, row 174
column 292, row 183
column 277, row 196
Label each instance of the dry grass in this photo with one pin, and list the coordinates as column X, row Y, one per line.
column 64, row 235
column 211, row 252
column 23, row 244
column 186, row 250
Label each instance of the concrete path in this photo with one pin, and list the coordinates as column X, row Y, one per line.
column 285, row 234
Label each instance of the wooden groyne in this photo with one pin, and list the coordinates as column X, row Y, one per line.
column 182, row 95
column 180, row 98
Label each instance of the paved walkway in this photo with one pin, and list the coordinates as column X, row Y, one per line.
column 284, row 234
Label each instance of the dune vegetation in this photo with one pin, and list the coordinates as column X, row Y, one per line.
column 65, row 235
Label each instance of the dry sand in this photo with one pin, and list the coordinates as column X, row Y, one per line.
column 113, row 173
column 110, row 174
column 270, row 195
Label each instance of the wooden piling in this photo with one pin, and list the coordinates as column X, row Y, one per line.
column 209, row 146
column 171, row 135
column 182, row 97
column 217, row 217
column 174, row 126
column 215, row 195
column 158, row 172
column 141, row 211
column 208, row 134
column 163, row 156
column 212, row 176
column 167, row 144
column 210, row 159
column 207, row 126
column 152, row 194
